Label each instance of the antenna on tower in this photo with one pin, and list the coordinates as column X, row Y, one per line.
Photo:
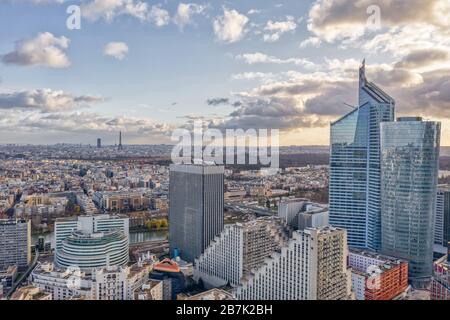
column 349, row 105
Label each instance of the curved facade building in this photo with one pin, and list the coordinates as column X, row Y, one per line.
column 409, row 176
column 93, row 250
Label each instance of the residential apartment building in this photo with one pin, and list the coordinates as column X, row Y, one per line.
column 109, row 283
column 311, row 266
column 15, row 240
column 118, row 201
column 239, row 249
column 30, row 293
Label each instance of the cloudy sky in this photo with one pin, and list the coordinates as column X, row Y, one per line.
column 148, row 67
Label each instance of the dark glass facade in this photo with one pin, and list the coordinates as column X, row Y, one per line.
column 409, row 176
column 196, row 208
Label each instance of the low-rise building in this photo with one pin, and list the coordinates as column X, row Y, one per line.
column 377, row 277
column 440, row 283
column 150, row 290
column 86, row 204
column 213, row 294
column 8, row 277
column 110, row 283
column 30, row 293
column 117, row 201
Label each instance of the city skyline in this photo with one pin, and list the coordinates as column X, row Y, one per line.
column 146, row 68
column 220, row 150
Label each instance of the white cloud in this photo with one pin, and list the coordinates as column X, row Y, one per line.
column 158, row 16
column 185, row 12
column 311, row 41
column 336, row 20
column 230, row 27
column 117, row 50
column 261, row 58
column 45, row 100
column 253, row 11
column 292, row 100
column 276, row 29
column 45, row 50
column 81, row 123
column 110, row 9
column 252, row 76
column 37, row 2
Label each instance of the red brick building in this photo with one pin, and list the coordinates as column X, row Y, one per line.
column 377, row 277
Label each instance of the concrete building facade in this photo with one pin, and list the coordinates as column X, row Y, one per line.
column 196, row 215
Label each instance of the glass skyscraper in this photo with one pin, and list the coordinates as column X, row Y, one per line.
column 409, row 175
column 355, row 166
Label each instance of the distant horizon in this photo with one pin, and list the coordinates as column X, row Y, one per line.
column 148, row 144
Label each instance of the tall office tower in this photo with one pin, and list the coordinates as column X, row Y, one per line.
column 409, row 175
column 442, row 218
column 195, row 207
column 312, row 266
column 64, row 227
column 15, row 244
column 120, row 147
column 355, row 166
column 99, row 143
column 238, row 250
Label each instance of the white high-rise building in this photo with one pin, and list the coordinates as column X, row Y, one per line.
column 239, row 249
column 312, row 266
